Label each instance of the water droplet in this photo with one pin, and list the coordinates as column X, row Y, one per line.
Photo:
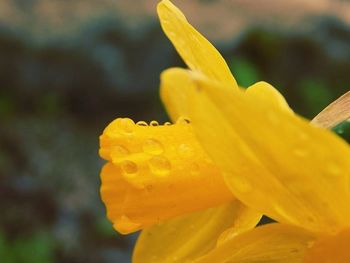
column 126, row 126
column 294, row 250
column 125, row 225
column 154, row 123
column 129, row 168
column 227, row 235
column 334, row 169
column 185, row 150
column 149, row 188
column 241, row 184
column 152, row 146
column 118, row 152
column 160, row 165
column 183, row 120
column 167, row 123
column 142, row 123
column 165, row 19
column 310, row 219
column 272, row 117
column 303, row 136
column 300, row 152
column 309, row 244
column 194, row 168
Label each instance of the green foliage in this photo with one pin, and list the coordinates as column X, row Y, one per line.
column 104, row 227
column 244, row 71
column 316, row 95
column 5, row 253
column 6, row 105
column 37, row 248
column 343, row 130
column 50, row 103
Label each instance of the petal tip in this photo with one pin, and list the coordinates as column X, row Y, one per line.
column 124, row 225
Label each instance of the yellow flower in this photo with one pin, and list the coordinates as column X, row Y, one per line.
column 158, row 177
column 156, row 172
column 271, row 159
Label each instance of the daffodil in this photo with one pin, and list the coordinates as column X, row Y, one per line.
column 160, row 178
column 273, row 161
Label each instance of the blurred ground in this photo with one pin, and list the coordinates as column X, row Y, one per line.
column 50, row 18
column 67, row 68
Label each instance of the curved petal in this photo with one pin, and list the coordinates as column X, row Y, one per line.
column 198, row 53
column 272, row 159
column 272, row 243
column 172, row 86
column 188, row 237
column 156, row 173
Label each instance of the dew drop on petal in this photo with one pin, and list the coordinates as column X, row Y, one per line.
column 241, row 185
column 273, row 118
column 184, row 150
column 333, row 169
column 183, row 120
column 299, row 152
column 303, row 136
column 126, row 126
column 152, row 146
column 118, row 152
column 245, row 187
column 172, row 34
column 194, row 168
column 142, row 123
column 309, row 244
column 160, row 165
column 154, row 123
column 129, row 168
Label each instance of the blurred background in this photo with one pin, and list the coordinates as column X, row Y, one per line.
column 67, row 68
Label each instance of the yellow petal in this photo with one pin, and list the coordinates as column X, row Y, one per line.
column 330, row 249
column 156, row 173
column 272, row 243
column 273, row 160
column 198, row 53
column 186, row 238
column 172, row 86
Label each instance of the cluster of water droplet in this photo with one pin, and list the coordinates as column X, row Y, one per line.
column 152, row 147
column 158, row 163
column 144, row 151
column 152, row 123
